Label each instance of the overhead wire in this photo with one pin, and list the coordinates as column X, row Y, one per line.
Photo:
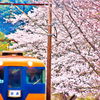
column 3, row 46
column 31, row 19
column 28, row 17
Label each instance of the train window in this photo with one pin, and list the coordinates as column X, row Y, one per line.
column 34, row 75
column 14, row 78
column 1, row 75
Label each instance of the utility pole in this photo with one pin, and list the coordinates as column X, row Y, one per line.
column 48, row 88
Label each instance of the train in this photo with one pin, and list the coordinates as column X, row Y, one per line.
column 21, row 77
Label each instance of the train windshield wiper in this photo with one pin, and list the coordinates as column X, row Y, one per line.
column 37, row 81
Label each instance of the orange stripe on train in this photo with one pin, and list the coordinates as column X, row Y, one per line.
column 35, row 97
column 1, row 98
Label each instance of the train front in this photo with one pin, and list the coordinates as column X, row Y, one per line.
column 21, row 78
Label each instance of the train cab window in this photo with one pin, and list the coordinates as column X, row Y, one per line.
column 1, row 75
column 14, row 78
column 35, row 75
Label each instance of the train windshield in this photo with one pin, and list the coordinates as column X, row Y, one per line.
column 14, row 78
column 1, row 75
column 35, row 75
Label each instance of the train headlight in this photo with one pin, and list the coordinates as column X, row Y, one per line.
column 30, row 63
column 1, row 63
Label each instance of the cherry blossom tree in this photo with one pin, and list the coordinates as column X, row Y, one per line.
column 75, row 42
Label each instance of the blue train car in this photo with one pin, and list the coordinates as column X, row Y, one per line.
column 21, row 78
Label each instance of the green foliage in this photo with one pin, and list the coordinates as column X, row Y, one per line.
column 3, row 44
column 58, row 96
column 87, row 98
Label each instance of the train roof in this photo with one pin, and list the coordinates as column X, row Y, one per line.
column 19, row 60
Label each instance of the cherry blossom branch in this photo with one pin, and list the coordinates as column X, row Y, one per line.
column 91, row 64
column 74, row 22
column 95, row 87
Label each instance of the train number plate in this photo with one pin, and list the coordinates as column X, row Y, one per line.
column 14, row 93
